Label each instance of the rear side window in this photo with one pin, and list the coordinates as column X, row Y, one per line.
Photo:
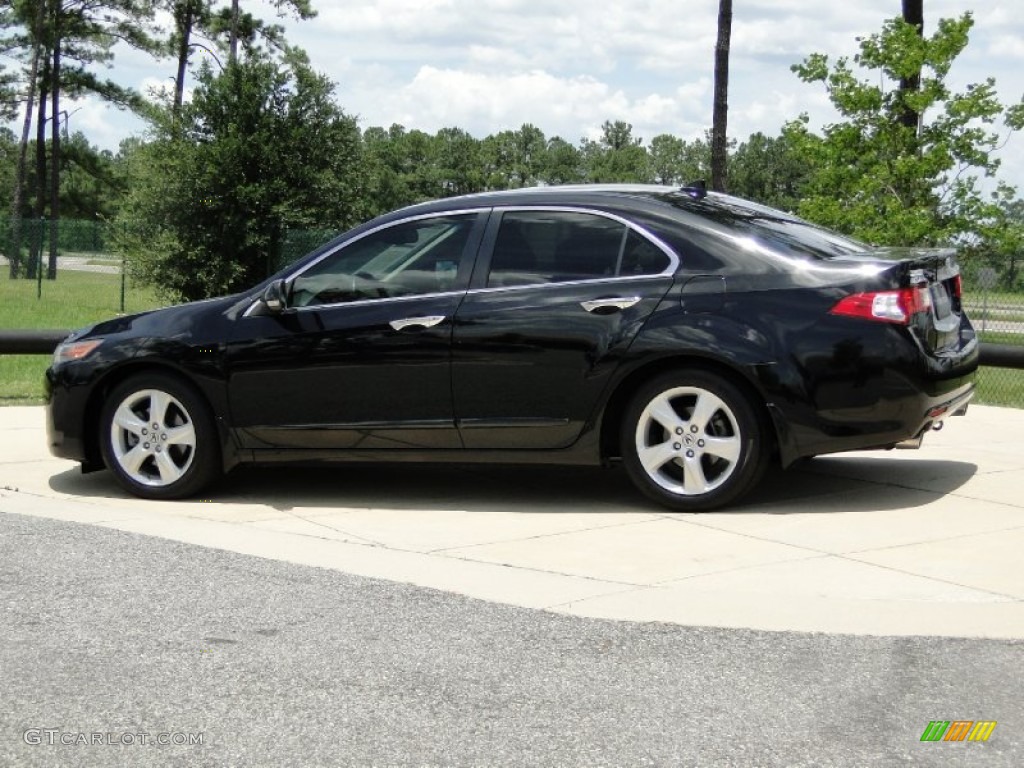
column 537, row 247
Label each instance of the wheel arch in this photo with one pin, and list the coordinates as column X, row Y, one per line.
column 615, row 407
column 114, row 377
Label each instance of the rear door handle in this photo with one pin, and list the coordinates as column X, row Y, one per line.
column 609, row 305
column 428, row 321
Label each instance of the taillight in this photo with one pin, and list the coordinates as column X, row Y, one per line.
column 885, row 306
column 958, row 286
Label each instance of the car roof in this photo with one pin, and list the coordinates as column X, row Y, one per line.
column 560, row 194
column 694, row 200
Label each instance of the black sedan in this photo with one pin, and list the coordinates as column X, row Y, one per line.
column 696, row 337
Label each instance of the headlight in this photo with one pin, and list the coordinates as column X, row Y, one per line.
column 74, row 350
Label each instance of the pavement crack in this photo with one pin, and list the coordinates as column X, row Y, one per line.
column 901, row 571
column 534, row 569
column 442, row 550
column 367, row 540
column 569, row 604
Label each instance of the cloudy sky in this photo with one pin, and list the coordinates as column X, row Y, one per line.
column 487, row 65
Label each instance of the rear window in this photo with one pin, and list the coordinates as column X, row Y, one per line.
column 757, row 227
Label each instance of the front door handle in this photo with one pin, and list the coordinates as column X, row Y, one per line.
column 429, row 321
column 608, row 305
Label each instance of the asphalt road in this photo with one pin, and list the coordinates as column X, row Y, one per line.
column 115, row 634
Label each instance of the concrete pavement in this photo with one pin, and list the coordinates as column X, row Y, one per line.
column 924, row 542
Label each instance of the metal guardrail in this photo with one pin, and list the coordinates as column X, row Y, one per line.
column 1002, row 355
column 31, row 342
column 35, row 342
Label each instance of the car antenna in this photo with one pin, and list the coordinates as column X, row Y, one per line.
column 698, row 189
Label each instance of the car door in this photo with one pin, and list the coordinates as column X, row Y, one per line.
column 361, row 356
column 556, row 299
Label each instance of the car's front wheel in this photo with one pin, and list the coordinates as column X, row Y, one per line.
column 158, row 437
column 692, row 441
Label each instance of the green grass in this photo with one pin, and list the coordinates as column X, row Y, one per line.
column 1000, row 386
column 995, row 336
column 973, row 295
column 73, row 300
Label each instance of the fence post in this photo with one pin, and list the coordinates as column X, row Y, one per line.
column 39, row 256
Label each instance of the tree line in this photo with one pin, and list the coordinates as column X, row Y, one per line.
column 204, row 203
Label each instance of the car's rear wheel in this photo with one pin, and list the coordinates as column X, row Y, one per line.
column 692, row 441
column 158, row 437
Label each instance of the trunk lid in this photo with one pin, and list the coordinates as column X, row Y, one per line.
column 936, row 272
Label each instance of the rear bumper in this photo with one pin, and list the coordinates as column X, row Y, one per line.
column 892, row 422
column 955, row 407
column 890, row 391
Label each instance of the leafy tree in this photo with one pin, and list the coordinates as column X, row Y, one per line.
column 563, row 163
column 1008, row 239
column 496, row 152
column 8, row 92
column 245, row 28
column 65, row 37
column 883, row 181
column 666, row 158
column 223, row 27
column 91, row 186
column 403, row 167
column 385, row 180
column 189, row 16
column 514, row 159
column 30, row 40
column 999, row 240
column 261, row 148
column 676, row 161
column 419, row 165
column 771, row 170
column 530, row 154
column 8, row 152
column 617, row 157
column 458, row 162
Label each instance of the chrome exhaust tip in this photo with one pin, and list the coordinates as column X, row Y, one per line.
column 912, row 443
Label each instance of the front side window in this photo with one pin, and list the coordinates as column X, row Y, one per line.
column 537, row 247
column 407, row 259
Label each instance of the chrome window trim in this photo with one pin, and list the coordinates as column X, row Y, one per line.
column 673, row 257
column 570, row 283
column 362, row 302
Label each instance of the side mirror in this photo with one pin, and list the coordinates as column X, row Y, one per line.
column 275, row 297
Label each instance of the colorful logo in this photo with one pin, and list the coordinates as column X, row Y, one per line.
column 958, row 730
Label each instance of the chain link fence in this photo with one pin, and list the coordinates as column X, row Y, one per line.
column 86, row 257
column 998, row 318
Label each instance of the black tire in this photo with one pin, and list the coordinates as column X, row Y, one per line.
column 178, row 458
column 692, row 441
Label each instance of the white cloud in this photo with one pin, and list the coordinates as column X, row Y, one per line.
column 571, row 107
column 102, row 124
column 485, row 103
column 1010, row 46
